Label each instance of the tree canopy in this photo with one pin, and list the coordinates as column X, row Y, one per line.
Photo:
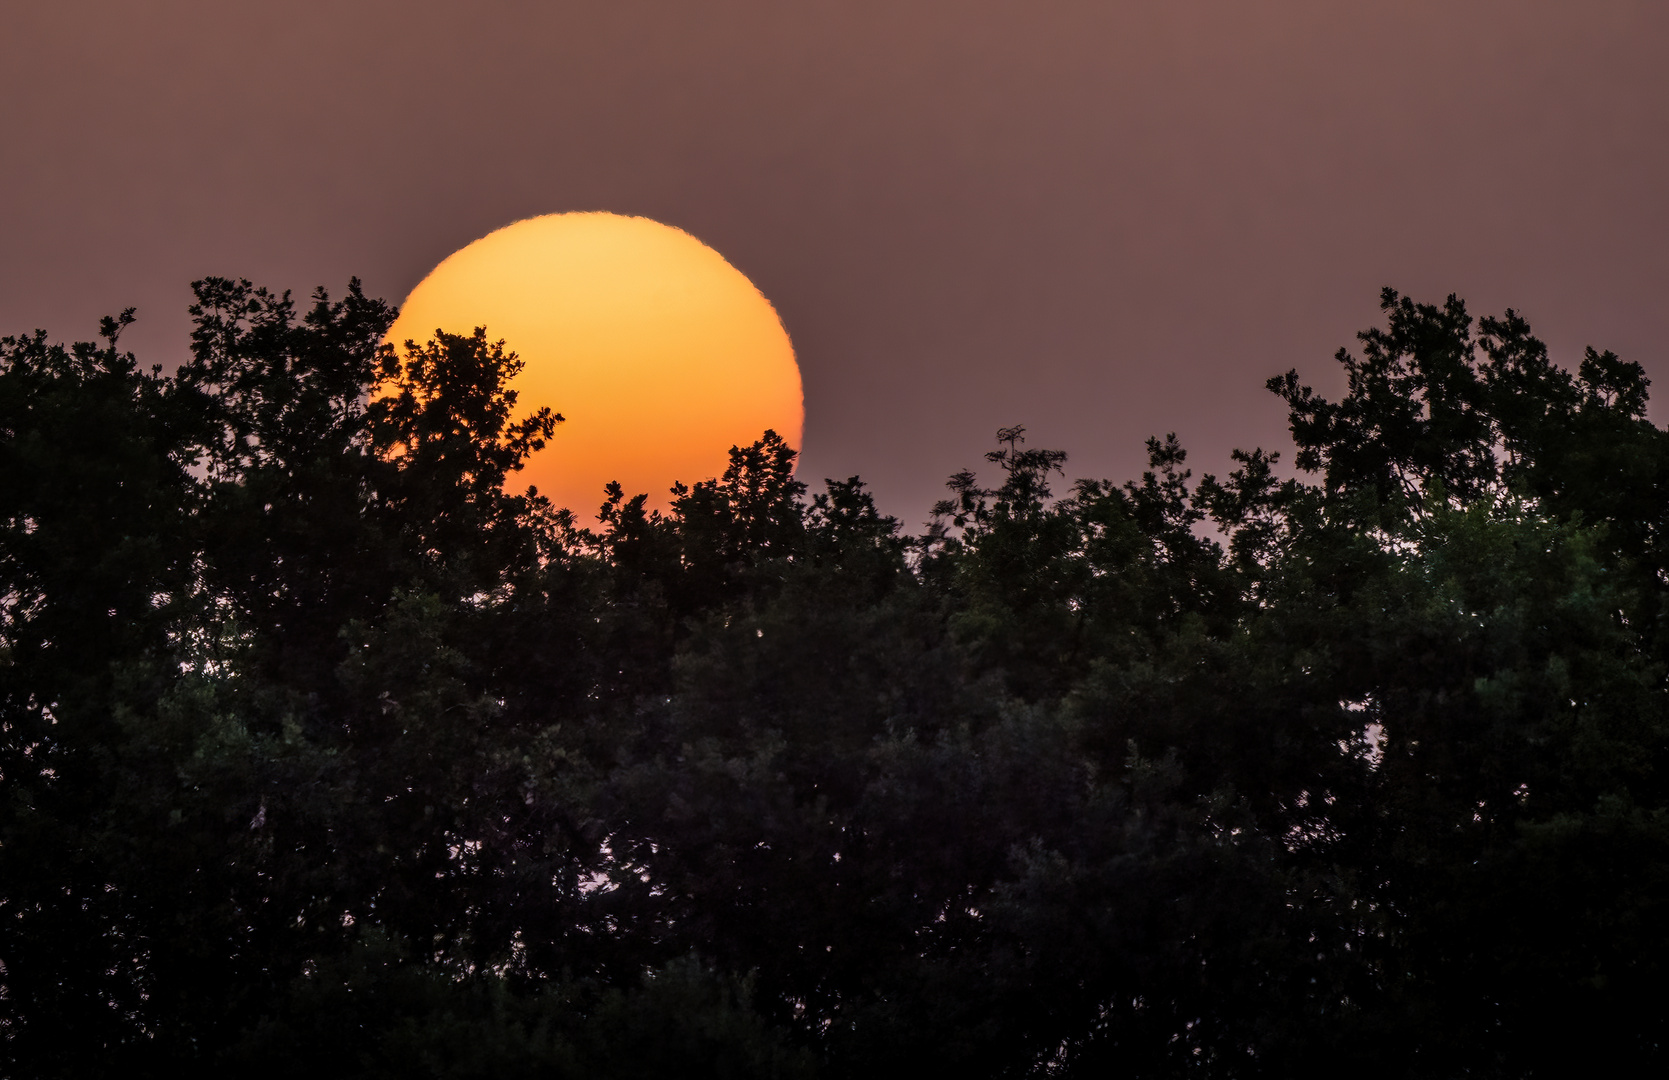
column 324, row 750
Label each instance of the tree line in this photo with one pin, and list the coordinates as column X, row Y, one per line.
column 324, row 751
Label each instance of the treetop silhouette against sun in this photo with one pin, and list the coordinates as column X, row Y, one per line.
column 657, row 352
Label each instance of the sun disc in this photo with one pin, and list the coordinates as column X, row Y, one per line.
column 660, row 354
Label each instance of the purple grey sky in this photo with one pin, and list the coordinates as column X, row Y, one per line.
column 1101, row 220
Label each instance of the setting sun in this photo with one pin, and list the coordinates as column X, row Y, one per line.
column 659, row 354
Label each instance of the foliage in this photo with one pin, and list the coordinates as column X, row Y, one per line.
column 324, row 750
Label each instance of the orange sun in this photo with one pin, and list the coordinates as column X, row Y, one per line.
column 659, row 354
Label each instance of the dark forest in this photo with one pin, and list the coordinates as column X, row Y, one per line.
column 324, row 752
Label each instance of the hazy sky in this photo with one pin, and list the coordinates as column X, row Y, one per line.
column 1100, row 220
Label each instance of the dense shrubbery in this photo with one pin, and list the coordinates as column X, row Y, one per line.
column 322, row 754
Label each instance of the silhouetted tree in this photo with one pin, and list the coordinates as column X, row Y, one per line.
column 325, row 749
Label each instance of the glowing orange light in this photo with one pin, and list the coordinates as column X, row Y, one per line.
column 659, row 353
